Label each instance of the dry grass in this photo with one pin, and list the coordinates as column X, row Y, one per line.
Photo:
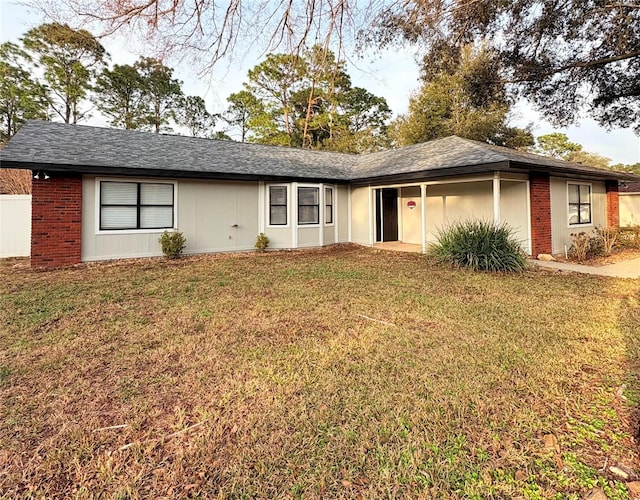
column 298, row 394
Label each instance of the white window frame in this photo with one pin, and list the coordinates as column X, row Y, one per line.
column 320, row 206
column 581, row 224
column 268, row 205
column 97, row 196
column 333, row 205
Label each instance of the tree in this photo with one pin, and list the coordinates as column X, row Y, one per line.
column 244, row 108
column 69, row 58
column 161, row 92
column 119, row 95
column 308, row 101
column 563, row 56
column 557, row 145
column 21, row 97
column 461, row 97
column 192, row 113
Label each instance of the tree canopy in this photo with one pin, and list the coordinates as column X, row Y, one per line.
column 558, row 145
column 21, row 96
column 308, row 101
column 565, row 57
column 70, row 59
column 462, row 97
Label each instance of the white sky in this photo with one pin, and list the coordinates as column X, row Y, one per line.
column 392, row 74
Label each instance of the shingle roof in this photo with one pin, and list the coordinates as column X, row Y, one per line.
column 57, row 144
column 102, row 150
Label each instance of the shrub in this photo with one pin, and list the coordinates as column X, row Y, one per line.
column 581, row 245
column 262, row 242
column 480, row 245
column 629, row 237
column 173, row 243
column 607, row 237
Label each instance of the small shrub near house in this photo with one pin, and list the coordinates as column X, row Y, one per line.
column 480, row 246
column 583, row 245
column 262, row 242
column 173, row 243
column 629, row 237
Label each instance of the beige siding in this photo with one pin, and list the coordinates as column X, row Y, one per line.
column 513, row 210
column 218, row 216
column 360, row 217
column 206, row 214
column 449, row 203
column 342, row 214
column 329, row 235
column 629, row 209
column 560, row 229
column 308, row 236
column 411, row 225
column 110, row 246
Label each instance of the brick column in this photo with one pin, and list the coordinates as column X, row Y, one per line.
column 613, row 204
column 56, row 221
column 540, row 194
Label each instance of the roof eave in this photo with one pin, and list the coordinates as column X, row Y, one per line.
column 172, row 174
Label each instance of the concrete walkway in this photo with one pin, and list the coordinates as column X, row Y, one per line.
column 625, row 269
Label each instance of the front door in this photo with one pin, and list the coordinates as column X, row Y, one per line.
column 387, row 214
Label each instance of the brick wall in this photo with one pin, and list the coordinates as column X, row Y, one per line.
column 540, row 194
column 613, row 204
column 56, row 221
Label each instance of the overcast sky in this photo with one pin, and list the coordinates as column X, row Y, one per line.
column 393, row 75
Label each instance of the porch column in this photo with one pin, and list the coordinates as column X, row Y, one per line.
column 496, row 198
column 423, row 216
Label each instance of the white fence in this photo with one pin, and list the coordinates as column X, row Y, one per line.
column 15, row 225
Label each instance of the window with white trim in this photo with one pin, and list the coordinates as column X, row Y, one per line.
column 308, row 205
column 136, row 205
column 328, row 205
column 278, row 206
column 579, row 203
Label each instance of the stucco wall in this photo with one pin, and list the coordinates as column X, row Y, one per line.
column 560, row 229
column 15, row 225
column 629, row 209
column 411, row 224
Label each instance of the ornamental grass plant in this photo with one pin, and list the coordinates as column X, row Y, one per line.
column 481, row 246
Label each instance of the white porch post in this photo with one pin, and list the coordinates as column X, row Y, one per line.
column 496, row 198
column 423, row 216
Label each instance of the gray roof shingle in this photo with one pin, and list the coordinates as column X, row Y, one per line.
column 104, row 150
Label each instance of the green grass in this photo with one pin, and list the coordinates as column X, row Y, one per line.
column 299, row 393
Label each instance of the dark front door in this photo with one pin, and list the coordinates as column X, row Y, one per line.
column 387, row 214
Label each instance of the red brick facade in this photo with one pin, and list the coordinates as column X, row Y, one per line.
column 613, row 204
column 540, row 193
column 56, row 221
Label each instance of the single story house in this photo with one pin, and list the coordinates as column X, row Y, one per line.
column 102, row 193
column 630, row 204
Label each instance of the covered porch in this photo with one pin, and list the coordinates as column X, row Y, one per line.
column 409, row 216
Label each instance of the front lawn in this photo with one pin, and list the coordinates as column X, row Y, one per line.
column 346, row 372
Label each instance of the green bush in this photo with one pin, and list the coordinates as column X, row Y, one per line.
column 479, row 245
column 262, row 242
column 173, row 243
